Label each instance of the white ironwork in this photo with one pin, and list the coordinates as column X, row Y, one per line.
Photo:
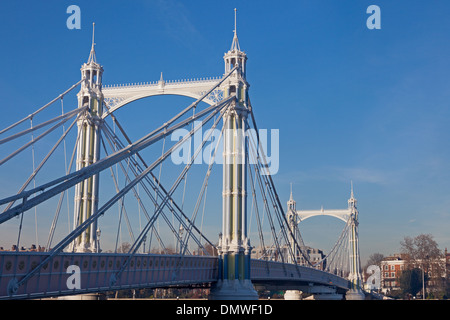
column 233, row 273
column 350, row 217
column 88, row 151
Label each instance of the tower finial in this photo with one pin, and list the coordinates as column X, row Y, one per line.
column 351, row 184
column 291, row 193
column 235, row 45
column 92, row 57
column 235, row 28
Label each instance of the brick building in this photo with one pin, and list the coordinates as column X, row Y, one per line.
column 390, row 270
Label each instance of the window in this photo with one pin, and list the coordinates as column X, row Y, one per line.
column 85, row 101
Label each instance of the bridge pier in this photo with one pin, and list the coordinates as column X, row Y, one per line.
column 328, row 296
column 90, row 296
column 319, row 292
column 233, row 290
column 354, row 294
column 293, row 295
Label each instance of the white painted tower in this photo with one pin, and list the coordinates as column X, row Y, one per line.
column 88, row 151
column 234, row 245
column 355, row 278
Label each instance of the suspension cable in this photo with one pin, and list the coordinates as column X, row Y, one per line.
column 271, row 191
column 42, row 108
column 109, row 139
column 63, row 120
column 205, row 182
column 156, row 185
column 78, row 230
column 38, row 168
column 137, row 244
column 80, row 175
column 68, row 169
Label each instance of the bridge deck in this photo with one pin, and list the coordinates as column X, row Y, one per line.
column 143, row 271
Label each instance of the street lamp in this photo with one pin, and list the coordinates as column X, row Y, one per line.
column 423, row 278
column 145, row 239
column 423, row 283
column 98, row 240
column 180, row 231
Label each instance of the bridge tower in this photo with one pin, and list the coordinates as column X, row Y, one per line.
column 234, row 245
column 355, row 278
column 348, row 215
column 293, row 221
column 88, row 151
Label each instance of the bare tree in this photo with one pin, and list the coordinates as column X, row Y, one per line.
column 375, row 259
column 422, row 252
column 124, row 247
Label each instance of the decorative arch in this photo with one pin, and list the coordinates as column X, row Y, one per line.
column 343, row 215
column 124, row 102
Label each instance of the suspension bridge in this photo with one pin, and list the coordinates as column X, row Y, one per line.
column 112, row 179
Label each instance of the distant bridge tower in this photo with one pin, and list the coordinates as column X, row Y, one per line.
column 234, row 244
column 349, row 215
column 355, row 278
column 88, row 151
column 293, row 221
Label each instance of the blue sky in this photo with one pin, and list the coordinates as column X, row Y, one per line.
column 351, row 104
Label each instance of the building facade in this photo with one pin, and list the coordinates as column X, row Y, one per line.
column 391, row 267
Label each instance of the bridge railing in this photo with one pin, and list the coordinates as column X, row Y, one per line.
column 204, row 80
column 95, row 271
column 272, row 271
column 57, row 278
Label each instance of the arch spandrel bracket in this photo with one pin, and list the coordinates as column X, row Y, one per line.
column 118, row 96
column 343, row 215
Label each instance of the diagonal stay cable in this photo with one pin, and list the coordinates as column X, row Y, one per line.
column 42, row 135
column 337, row 244
column 58, row 209
column 271, row 191
column 266, row 206
column 38, row 168
column 77, row 231
column 269, row 181
column 152, row 198
column 69, row 114
column 205, row 184
column 84, row 173
column 106, row 162
column 156, row 185
column 42, row 108
column 141, row 236
column 114, row 140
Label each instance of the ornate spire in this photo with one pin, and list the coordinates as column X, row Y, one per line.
column 291, row 203
column 92, row 57
column 291, row 198
column 235, row 44
column 351, row 184
column 352, row 201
